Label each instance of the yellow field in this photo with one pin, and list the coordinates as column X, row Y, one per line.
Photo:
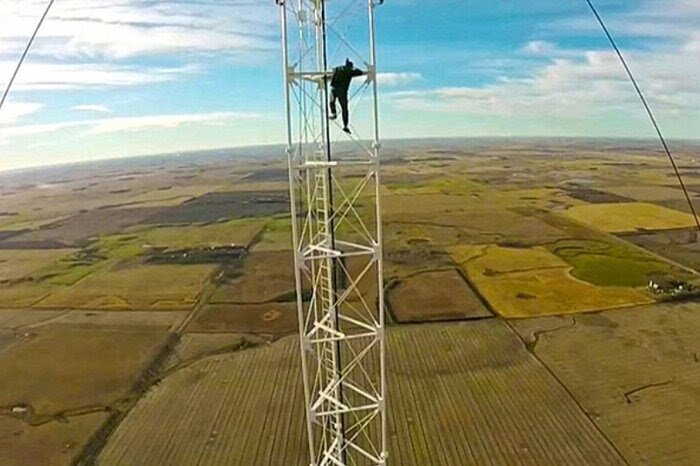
column 625, row 217
column 236, row 232
column 498, row 260
column 535, row 282
column 166, row 287
column 18, row 263
column 23, row 295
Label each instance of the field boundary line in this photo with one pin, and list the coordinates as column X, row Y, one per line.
column 558, row 380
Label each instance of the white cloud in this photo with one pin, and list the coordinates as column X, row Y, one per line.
column 591, row 84
column 127, row 124
column 88, row 43
column 142, row 123
column 397, row 79
column 91, row 108
column 583, row 84
column 11, row 112
column 131, row 28
column 539, row 47
column 56, row 76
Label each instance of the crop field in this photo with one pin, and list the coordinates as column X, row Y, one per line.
column 218, row 206
column 238, row 232
column 681, row 246
column 167, row 195
column 267, row 276
column 418, row 299
column 270, row 318
column 17, row 264
column 647, row 193
column 77, row 230
column 629, row 217
column 480, row 226
column 276, row 236
column 62, row 370
column 266, row 186
column 245, row 407
column 193, row 346
column 13, row 319
column 163, row 319
column 531, row 282
column 542, row 198
column 55, row 443
column 155, row 287
column 28, row 221
column 608, row 263
column 166, row 285
column 594, row 196
column 23, row 295
column 636, row 370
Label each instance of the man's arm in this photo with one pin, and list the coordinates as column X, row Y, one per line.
column 332, row 78
column 357, row 72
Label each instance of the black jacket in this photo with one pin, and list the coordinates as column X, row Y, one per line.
column 342, row 75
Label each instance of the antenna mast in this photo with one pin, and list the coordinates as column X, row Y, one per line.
column 334, row 188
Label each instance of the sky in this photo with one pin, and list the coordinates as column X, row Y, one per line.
column 117, row 78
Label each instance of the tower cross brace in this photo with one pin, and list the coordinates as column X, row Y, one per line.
column 334, row 186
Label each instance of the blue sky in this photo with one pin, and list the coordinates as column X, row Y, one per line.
column 127, row 77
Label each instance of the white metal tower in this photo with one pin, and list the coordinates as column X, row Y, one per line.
column 336, row 230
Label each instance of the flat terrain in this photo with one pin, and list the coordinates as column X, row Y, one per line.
column 435, row 296
column 167, row 287
column 626, row 217
column 635, row 372
column 16, row 264
column 528, row 282
column 274, row 318
column 148, row 314
column 266, row 276
column 51, row 444
column 681, row 246
column 469, row 381
column 217, row 206
column 79, row 229
column 36, row 375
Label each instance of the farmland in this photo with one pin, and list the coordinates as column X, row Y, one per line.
column 266, row 276
column 414, row 299
column 148, row 313
column 640, row 400
column 626, row 217
column 486, row 376
column 112, row 357
column 527, row 282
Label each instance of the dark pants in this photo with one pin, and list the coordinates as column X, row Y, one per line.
column 342, row 98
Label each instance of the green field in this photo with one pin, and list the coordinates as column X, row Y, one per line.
column 610, row 263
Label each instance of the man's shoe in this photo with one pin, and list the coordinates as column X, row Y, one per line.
column 347, row 130
column 333, row 116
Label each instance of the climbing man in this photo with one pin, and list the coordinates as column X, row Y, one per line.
column 340, row 85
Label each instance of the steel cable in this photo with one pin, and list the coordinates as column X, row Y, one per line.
column 647, row 107
column 24, row 54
